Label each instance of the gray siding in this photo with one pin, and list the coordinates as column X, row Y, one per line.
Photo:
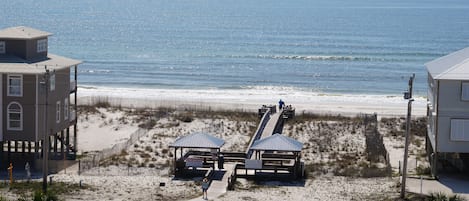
column 16, row 47
column 33, row 124
column 31, row 50
column 27, row 101
column 26, row 49
column 450, row 106
column 62, row 91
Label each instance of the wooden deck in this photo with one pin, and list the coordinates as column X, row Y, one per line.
column 272, row 124
column 268, row 129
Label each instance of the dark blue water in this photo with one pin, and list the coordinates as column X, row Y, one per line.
column 357, row 47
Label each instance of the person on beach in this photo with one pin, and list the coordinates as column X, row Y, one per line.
column 205, row 188
column 27, row 168
column 10, row 173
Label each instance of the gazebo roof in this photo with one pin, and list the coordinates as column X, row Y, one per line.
column 198, row 140
column 277, row 142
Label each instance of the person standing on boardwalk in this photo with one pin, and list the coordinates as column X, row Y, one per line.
column 205, row 188
column 280, row 104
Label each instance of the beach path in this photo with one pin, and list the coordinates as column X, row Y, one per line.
column 446, row 184
column 270, row 126
column 218, row 185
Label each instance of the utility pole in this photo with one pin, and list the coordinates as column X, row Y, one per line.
column 407, row 96
column 45, row 146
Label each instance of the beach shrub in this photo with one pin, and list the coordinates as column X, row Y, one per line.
column 101, row 103
column 149, row 124
column 164, row 151
column 145, row 155
column 423, row 170
column 186, row 118
column 440, row 196
column 37, row 196
column 149, row 149
column 418, row 126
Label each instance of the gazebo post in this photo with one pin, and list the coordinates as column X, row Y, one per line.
column 175, row 160
column 218, row 159
column 181, row 152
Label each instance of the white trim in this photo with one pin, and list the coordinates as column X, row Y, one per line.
column 3, row 48
column 21, row 85
column 57, row 112
column 66, row 109
column 41, row 45
column 37, row 108
column 21, row 117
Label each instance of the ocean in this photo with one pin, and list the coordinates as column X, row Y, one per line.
column 306, row 47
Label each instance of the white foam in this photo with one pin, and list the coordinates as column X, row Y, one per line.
column 252, row 98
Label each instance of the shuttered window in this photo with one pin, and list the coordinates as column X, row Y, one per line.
column 459, row 130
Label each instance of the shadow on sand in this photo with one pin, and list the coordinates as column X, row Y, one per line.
column 456, row 182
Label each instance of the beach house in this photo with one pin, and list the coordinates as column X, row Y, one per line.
column 38, row 98
column 448, row 111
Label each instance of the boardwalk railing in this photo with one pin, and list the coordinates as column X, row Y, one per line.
column 258, row 133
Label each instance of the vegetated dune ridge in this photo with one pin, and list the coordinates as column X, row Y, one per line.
column 334, row 153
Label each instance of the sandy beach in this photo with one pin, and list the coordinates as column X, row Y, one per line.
column 334, row 150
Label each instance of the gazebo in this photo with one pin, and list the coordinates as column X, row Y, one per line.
column 277, row 148
column 196, row 159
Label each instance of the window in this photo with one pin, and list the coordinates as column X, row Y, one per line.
column 57, row 113
column 459, row 130
column 42, row 45
column 66, row 109
column 52, row 82
column 465, row 91
column 15, row 116
column 15, row 87
column 2, row 47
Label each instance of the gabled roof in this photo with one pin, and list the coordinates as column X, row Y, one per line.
column 13, row 64
column 277, row 142
column 22, row 32
column 198, row 140
column 454, row 66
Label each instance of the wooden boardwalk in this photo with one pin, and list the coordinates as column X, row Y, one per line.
column 270, row 127
column 218, row 185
